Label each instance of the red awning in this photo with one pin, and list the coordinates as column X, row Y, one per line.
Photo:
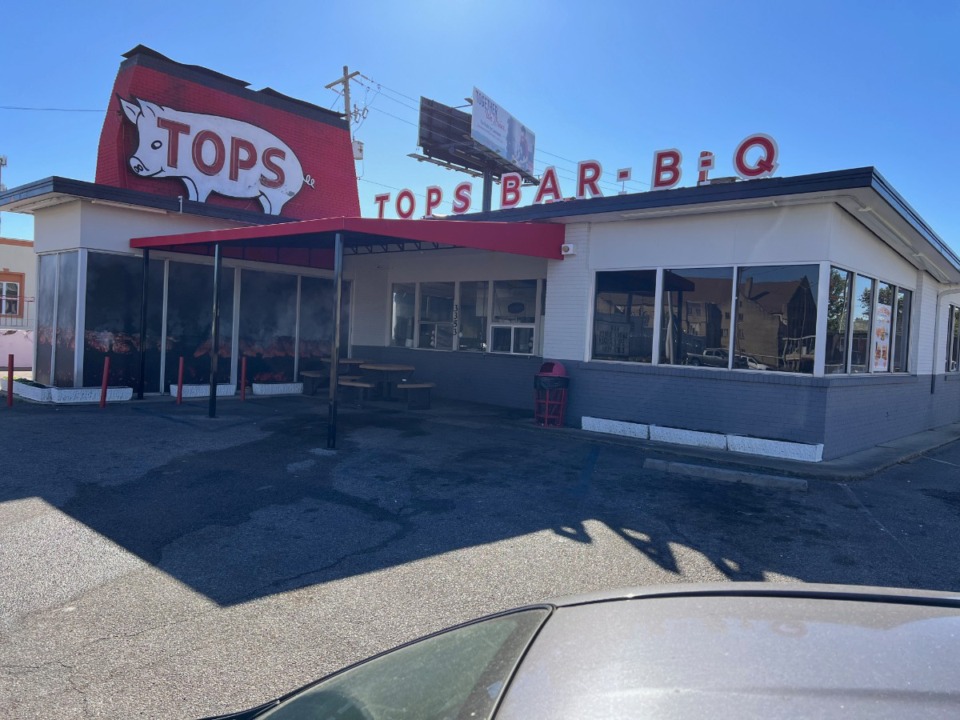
column 310, row 242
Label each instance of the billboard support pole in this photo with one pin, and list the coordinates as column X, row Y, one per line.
column 487, row 191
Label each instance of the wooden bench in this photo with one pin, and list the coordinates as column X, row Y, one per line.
column 418, row 394
column 356, row 387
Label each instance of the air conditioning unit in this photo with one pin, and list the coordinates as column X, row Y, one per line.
column 567, row 249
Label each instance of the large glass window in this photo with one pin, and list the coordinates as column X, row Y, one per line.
column 112, row 328
column 66, row 334
column 696, row 316
column 863, row 290
column 901, row 331
column 46, row 300
column 436, row 315
column 404, row 317
column 838, row 314
column 189, row 303
column 624, row 308
column 776, row 318
column 268, row 322
column 316, row 322
column 953, row 340
column 471, row 316
column 514, row 317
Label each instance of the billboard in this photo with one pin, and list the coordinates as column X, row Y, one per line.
column 498, row 130
column 182, row 130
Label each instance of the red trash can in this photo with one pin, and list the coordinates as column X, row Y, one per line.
column 550, row 386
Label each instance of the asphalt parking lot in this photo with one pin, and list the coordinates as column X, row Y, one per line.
column 158, row 563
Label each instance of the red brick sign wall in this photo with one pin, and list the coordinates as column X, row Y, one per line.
column 180, row 130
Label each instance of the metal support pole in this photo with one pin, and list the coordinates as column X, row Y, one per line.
column 335, row 349
column 487, row 191
column 215, row 330
column 143, row 323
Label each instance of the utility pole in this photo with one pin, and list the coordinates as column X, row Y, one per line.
column 3, row 164
column 345, row 81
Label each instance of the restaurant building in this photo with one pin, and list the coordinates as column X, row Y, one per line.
column 806, row 317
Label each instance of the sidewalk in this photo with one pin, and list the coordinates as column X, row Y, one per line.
column 672, row 459
column 856, row 466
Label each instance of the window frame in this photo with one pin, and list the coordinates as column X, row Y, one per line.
column 456, row 323
column 951, row 364
column 825, row 271
column 17, row 280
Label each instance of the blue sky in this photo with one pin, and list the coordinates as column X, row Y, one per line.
column 838, row 84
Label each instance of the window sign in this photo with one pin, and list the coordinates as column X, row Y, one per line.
column 881, row 329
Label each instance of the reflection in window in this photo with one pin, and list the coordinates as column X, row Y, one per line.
column 189, row 303
column 624, row 309
column 436, row 316
column 46, row 298
column 838, row 313
column 953, row 341
column 901, row 331
column 514, row 316
column 460, row 673
column 514, row 301
column 403, row 318
column 112, row 328
column 881, row 337
column 316, row 322
column 472, row 314
column 268, row 322
column 862, row 317
column 66, row 340
column 696, row 311
column 777, row 318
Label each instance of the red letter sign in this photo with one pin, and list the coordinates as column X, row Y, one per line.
column 405, row 196
column 510, row 190
column 219, row 151
column 174, row 131
column 705, row 166
column 381, row 200
column 434, row 198
column 238, row 163
column 268, row 155
column 767, row 162
column 666, row 169
column 588, row 177
column 549, row 185
column 461, row 198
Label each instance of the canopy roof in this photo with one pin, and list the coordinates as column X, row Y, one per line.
column 310, row 243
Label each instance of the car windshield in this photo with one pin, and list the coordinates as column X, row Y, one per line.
column 460, row 673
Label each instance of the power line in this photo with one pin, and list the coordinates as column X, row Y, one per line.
column 47, row 109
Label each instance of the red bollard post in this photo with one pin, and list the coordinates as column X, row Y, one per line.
column 106, row 382
column 180, row 383
column 243, row 378
column 10, row 380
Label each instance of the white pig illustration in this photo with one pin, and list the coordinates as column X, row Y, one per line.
column 213, row 154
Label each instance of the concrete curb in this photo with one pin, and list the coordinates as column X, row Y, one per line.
column 725, row 475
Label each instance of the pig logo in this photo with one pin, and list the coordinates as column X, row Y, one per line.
column 213, row 154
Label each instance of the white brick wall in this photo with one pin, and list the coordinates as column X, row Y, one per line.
column 569, row 297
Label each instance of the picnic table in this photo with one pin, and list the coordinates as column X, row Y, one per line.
column 387, row 375
column 313, row 378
